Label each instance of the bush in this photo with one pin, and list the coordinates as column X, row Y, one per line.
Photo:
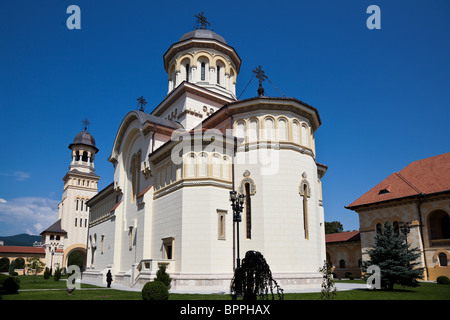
column 57, row 274
column 155, row 290
column 47, row 273
column 162, row 276
column 11, row 285
column 443, row 280
column 349, row 275
column 3, row 278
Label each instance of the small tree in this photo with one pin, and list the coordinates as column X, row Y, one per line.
column 35, row 264
column 162, row 276
column 328, row 291
column 254, row 278
column 57, row 274
column 396, row 260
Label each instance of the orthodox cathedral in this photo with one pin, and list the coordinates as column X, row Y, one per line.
column 169, row 203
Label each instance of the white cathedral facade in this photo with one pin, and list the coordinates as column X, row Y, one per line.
column 174, row 169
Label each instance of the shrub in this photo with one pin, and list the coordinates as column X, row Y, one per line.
column 349, row 275
column 3, row 278
column 57, row 274
column 11, row 285
column 443, row 280
column 162, row 276
column 155, row 290
column 47, row 273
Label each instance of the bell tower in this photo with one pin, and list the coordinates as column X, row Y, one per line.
column 80, row 185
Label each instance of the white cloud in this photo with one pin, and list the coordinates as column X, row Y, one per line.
column 27, row 215
column 3, row 200
column 18, row 175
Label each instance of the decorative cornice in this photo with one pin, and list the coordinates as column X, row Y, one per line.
column 192, row 183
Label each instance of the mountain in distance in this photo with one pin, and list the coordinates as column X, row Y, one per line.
column 21, row 240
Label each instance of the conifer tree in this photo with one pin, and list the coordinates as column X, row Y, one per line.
column 395, row 258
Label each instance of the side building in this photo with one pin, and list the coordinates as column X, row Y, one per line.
column 417, row 199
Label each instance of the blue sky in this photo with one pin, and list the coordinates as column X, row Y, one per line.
column 383, row 95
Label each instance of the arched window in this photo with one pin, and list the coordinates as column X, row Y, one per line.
column 216, row 166
column 203, row 165
column 253, row 130
column 240, row 129
column 191, row 171
column 226, row 168
column 82, row 203
column 187, row 71
column 305, row 135
column 342, row 263
column 378, row 228
column 268, row 128
column 305, row 210
column 135, row 169
column 439, row 224
column 282, row 129
column 296, row 131
column 396, row 227
column 76, row 207
column 203, row 72
column 248, row 211
column 218, row 74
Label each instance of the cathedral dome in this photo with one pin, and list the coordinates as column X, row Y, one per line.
column 84, row 138
column 202, row 34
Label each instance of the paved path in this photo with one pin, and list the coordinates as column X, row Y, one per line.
column 340, row 286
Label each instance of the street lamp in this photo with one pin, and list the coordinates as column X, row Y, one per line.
column 237, row 204
column 405, row 228
column 51, row 262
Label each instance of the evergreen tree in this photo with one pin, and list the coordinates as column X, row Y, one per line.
column 396, row 260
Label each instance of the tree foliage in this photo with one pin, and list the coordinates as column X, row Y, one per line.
column 328, row 291
column 395, row 258
column 35, row 264
column 333, row 227
column 163, row 276
column 253, row 279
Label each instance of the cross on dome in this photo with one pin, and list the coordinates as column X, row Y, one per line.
column 201, row 19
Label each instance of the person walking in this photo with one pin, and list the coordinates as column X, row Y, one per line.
column 109, row 278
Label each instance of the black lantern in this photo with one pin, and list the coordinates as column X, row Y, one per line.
column 237, row 204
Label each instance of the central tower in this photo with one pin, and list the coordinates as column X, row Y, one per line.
column 203, row 57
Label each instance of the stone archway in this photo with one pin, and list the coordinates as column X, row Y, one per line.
column 76, row 256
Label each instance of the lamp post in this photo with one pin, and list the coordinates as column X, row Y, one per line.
column 51, row 262
column 405, row 228
column 237, row 204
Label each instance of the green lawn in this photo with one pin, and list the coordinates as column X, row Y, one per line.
column 426, row 291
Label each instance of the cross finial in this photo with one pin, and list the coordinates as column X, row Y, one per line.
column 141, row 103
column 201, row 19
column 261, row 77
column 86, row 124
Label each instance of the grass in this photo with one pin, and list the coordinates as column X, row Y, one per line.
column 56, row 290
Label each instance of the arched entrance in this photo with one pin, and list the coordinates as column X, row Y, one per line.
column 439, row 228
column 76, row 256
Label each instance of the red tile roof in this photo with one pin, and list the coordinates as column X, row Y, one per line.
column 426, row 176
column 342, row 236
column 17, row 249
